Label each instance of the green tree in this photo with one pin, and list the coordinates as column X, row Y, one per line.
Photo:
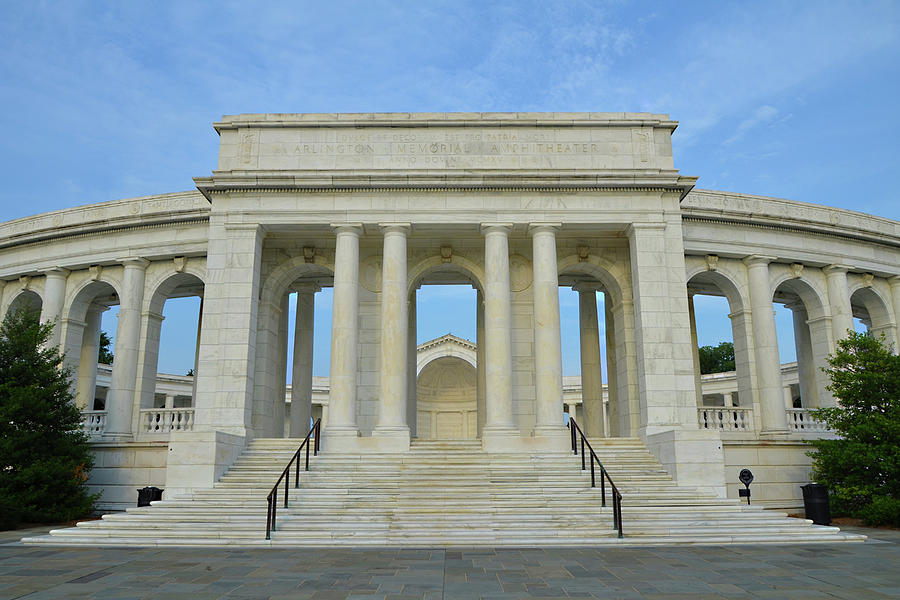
column 717, row 359
column 862, row 468
column 105, row 355
column 44, row 454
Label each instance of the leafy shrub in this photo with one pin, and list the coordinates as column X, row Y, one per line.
column 863, row 465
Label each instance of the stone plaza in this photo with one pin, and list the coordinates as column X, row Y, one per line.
column 514, row 205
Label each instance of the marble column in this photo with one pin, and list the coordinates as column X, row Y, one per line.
column 2, row 286
column 53, row 301
column 302, row 367
column 547, row 343
column 479, row 361
column 695, row 349
column 499, row 420
column 895, row 298
column 394, row 335
column 197, row 354
column 839, row 300
column 803, row 346
column 591, row 371
column 90, row 347
column 613, row 397
column 412, row 398
column 765, row 341
column 344, row 334
column 120, row 399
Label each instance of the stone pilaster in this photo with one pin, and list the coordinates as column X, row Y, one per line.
column 613, row 396
column 53, row 301
column 695, row 349
column 765, row 343
column 90, row 347
column 895, row 298
column 480, row 384
column 302, row 367
column 344, row 336
column 394, row 337
column 120, row 399
column 803, row 348
column 499, row 421
column 839, row 300
column 547, row 343
column 591, row 372
column 411, row 365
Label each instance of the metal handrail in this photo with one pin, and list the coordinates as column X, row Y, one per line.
column 286, row 476
column 604, row 474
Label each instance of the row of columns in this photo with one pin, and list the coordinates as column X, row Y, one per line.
column 494, row 333
column 120, row 398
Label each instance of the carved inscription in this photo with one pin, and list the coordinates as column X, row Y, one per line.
column 428, row 148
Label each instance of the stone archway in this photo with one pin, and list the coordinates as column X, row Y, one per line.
column 446, row 399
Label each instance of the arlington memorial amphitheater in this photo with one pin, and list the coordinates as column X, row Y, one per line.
column 480, row 450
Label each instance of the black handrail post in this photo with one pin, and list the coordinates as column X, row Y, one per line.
column 582, row 452
column 269, row 517
column 297, row 474
column 602, row 487
column 287, row 484
column 274, row 510
column 593, row 478
column 307, row 455
column 572, row 432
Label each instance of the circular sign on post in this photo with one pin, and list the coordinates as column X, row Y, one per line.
column 746, row 477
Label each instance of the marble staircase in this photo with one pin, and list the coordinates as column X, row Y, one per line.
column 441, row 494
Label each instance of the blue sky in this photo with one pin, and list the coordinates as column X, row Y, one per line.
column 109, row 100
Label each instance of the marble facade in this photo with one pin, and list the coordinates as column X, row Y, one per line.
column 513, row 204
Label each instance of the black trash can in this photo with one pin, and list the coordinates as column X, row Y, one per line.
column 815, row 501
column 149, row 494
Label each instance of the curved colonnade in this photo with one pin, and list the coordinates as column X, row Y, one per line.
column 641, row 235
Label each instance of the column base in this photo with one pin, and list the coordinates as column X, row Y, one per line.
column 339, row 438
column 388, row 438
column 692, row 457
column 552, row 438
column 196, row 459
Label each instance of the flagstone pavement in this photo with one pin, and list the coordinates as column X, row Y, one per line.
column 857, row 571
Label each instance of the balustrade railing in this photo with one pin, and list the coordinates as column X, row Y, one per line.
column 312, row 438
column 93, row 422
column 165, row 420
column 800, row 419
column 576, row 435
column 725, row 418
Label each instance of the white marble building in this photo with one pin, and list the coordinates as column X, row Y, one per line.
column 513, row 204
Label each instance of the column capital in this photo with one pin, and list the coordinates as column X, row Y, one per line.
column 58, row 272
column 758, row 259
column 585, row 287
column 134, row 262
column 402, row 228
column 534, row 228
column 307, row 287
column 832, row 269
column 633, row 228
column 153, row 316
column 894, row 280
column 488, row 228
column 354, row 228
